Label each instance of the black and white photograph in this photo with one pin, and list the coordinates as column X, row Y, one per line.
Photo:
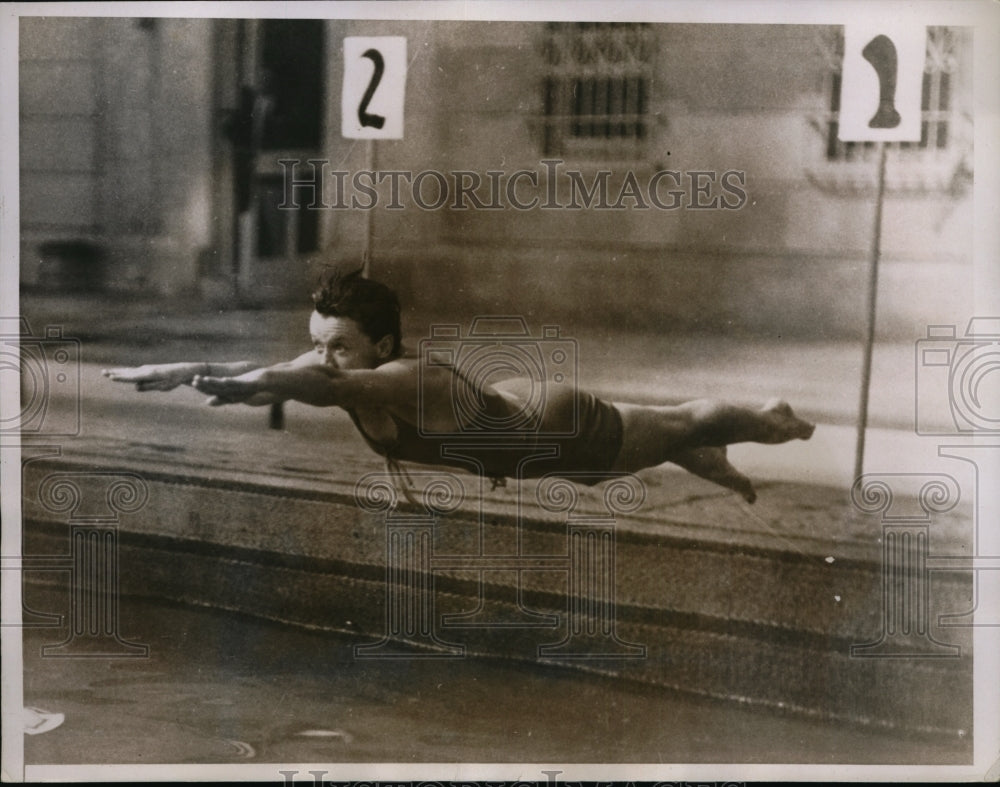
column 524, row 392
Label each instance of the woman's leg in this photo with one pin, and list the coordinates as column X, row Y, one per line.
column 653, row 435
column 711, row 464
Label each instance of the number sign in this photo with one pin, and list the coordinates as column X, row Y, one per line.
column 374, row 87
column 881, row 82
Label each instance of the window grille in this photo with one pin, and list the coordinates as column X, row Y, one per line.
column 596, row 90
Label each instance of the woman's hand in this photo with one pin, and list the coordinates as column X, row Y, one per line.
column 246, row 389
column 156, row 377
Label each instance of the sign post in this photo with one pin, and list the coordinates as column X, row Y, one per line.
column 879, row 102
column 870, row 312
column 372, row 102
column 371, row 107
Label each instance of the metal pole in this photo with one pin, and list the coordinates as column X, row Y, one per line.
column 366, row 254
column 866, row 366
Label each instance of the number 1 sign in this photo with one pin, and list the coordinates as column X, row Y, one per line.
column 881, row 83
column 880, row 101
column 374, row 87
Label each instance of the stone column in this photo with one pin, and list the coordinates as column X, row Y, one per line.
column 409, row 588
column 905, row 575
column 94, row 502
column 590, row 543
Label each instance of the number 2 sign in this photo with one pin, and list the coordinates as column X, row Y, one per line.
column 881, row 84
column 374, row 87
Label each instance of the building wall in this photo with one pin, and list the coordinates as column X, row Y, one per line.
column 116, row 142
column 60, row 141
column 121, row 142
column 792, row 261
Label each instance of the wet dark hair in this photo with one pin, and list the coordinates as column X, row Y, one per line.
column 372, row 305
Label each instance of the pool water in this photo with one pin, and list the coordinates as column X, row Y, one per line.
column 223, row 688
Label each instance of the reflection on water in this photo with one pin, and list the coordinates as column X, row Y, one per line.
column 221, row 688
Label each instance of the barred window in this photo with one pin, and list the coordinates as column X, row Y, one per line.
column 936, row 99
column 596, row 89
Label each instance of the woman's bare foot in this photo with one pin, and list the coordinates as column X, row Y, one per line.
column 784, row 424
column 711, row 464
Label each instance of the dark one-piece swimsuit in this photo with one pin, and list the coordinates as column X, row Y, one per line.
column 574, row 435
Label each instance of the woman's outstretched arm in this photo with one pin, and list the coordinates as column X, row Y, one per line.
column 167, row 376
column 319, row 385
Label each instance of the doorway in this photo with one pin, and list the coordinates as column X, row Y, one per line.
column 273, row 92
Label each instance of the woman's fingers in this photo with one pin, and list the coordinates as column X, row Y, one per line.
column 126, row 375
column 155, row 385
column 145, row 378
column 138, row 374
column 229, row 389
column 211, row 385
column 222, row 390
